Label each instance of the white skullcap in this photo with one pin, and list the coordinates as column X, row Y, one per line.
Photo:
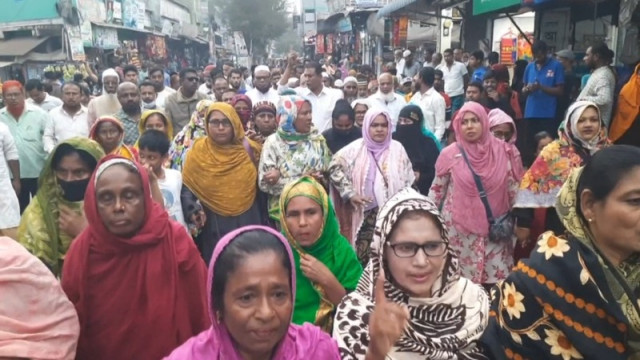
column 349, row 79
column 338, row 83
column 110, row 72
column 406, row 53
column 262, row 68
column 325, row 75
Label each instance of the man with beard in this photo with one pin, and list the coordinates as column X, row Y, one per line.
column 456, row 78
column 129, row 115
column 148, row 95
column 181, row 105
column 601, row 84
column 107, row 103
column 68, row 120
column 157, row 77
column 26, row 123
column 236, row 82
column 386, row 98
column 350, row 88
column 431, row 102
column 411, row 67
column 262, row 89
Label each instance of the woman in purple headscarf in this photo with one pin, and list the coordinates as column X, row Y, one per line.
column 366, row 173
column 251, row 289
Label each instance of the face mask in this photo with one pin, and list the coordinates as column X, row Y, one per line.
column 73, row 191
column 245, row 115
column 149, row 106
column 342, row 133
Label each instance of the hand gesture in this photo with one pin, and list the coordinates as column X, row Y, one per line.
column 198, row 219
column 387, row 323
column 271, row 177
column 315, row 270
column 152, row 175
column 292, row 59
column 71, row 222
column 358, row 201
column 17, row 186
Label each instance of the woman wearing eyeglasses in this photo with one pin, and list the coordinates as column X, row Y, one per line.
column 411, row 301
column 220, row 173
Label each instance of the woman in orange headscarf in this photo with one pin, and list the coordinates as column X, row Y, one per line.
column 625, row 127
column 109, row 133
column 220, row 173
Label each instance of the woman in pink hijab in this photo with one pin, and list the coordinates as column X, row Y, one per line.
column 37, row 320
column 251, row 288
column 504, row 128
column 454, row 190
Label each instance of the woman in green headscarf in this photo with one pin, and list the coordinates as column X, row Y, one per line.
column 327, row 267
column 55, row 215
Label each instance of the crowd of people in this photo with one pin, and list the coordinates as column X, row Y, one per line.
column 438, row 210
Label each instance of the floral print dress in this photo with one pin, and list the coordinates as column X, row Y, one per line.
column 482, row 261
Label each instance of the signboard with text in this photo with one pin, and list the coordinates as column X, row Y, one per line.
column 485, row 6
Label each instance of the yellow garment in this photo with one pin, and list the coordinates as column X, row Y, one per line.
column 628, row 106
column 223, row 177
column 143, row 123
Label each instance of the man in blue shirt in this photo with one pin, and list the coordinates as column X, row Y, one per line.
column 476, row 66
column 544, row 84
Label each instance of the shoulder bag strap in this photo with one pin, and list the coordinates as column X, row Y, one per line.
column 249, row 150
column 478, row 181
column 384, row 178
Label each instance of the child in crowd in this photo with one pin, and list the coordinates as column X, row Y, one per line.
column 154, row 153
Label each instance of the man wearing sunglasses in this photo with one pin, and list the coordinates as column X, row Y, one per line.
column 182, row 104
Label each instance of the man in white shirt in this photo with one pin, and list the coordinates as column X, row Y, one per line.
column 39, row 97
column 431, row 102
column 456, row 78
column 386, row 98
column 157, row 77
column 322, row 98
column 207, row 87
column 263, row 91
column 68, row 120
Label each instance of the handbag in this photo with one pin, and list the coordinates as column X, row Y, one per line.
column 500, row 229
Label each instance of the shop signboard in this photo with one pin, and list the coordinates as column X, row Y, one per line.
column 105, row 38
column 320, row 44
column 76, row 44
column 133, row 14
column 485, row 6
column 330, row 39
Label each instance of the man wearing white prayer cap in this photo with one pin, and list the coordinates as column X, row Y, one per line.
column 262, row 89
column 350, row 88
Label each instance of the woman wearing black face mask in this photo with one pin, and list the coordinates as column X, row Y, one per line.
column 55, row 216
column 343, row 130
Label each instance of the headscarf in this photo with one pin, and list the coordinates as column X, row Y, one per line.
column 628, row 107
column 194, row 130
column 566, row 296
column 126, row 289
column 223, row 177
column 245, row 116
column 542, row 182
column 109, row 73
column 287, row 114
column 17, row 110
column 38, row 321
column 39, row 229
column 375, row 148
column 147, row 113
column 121, row 150
column 499, row 117
column 337, row 139
column 350, row 79
column 489, row 157
column 216, row 343
column 331, row 248
column 423, row 150
column 443, row 326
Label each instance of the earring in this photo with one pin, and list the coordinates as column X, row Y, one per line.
column 590, row 220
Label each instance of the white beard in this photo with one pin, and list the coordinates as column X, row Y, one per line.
column 387, row 97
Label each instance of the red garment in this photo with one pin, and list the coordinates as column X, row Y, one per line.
column 136, row 298
column 15, row 111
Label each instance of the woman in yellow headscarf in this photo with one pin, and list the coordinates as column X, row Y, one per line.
column 220, row 171
column 625, row 127
column 155, row 120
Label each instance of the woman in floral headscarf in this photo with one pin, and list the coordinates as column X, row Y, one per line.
column 581, row 135
column 295, row 150
column 193, row 130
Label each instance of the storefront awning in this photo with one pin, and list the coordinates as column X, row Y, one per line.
column 6, row 63
column 389, row 9
column 485, row 6
column 20, row 46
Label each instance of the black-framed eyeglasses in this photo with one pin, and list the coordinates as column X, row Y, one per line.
column 409, row 249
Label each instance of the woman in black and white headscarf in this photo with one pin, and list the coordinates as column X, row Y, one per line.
column 422, row 308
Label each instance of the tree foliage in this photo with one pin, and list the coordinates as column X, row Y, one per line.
column 261, row 21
